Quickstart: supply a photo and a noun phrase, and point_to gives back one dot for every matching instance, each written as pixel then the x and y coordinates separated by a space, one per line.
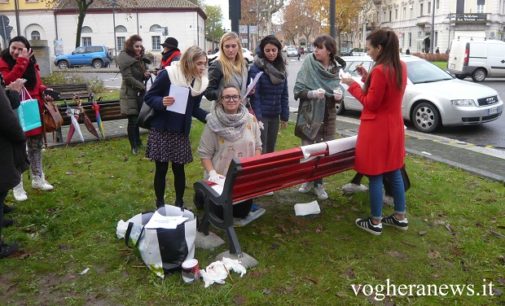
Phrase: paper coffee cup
pixel 190 270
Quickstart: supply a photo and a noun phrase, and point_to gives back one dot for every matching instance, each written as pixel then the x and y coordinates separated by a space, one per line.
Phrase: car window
pixel 79 50
pixel 93 49
pixel 425 72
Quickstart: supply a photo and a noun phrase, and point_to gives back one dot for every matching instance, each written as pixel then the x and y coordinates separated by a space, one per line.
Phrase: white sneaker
pixel 305 187
pixel 41 183
pixel 19 192
pixel 353 188
pixel 320 192
pixel 269 194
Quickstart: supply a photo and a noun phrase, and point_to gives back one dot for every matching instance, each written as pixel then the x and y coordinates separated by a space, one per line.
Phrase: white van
pixel 478 59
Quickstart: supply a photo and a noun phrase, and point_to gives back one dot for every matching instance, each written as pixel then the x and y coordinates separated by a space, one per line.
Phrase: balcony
pixel 468 18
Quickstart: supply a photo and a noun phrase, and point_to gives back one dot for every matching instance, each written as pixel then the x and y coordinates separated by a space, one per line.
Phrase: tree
pixel 213 25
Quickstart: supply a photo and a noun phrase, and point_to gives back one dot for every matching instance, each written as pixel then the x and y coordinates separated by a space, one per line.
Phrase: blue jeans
pixel 376 186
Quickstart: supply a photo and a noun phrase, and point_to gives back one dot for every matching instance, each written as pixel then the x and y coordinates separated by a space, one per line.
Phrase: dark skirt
pixel 163 146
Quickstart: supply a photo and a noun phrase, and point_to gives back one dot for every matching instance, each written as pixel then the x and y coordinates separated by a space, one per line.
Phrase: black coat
pixel 13 160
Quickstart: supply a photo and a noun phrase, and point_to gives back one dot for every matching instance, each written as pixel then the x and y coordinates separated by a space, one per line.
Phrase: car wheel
pixel 460 76
pixel 63 64
pixel 97 63
pixel 340 107
pixel 425 117
pixel 479 75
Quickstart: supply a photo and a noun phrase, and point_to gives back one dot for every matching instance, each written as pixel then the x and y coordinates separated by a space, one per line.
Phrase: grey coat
pixel 12 146
pixel 132 87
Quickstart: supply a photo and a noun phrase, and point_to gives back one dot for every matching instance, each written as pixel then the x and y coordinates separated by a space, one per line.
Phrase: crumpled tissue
pixel 218 271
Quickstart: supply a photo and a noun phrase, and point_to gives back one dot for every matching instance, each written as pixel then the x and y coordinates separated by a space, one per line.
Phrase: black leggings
pixel 3 195
pixel 160 182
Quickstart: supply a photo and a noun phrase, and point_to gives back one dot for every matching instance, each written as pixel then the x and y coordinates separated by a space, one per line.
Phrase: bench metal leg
pixel 233 241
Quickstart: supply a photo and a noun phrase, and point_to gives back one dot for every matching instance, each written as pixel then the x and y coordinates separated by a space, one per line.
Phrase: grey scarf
pixel 276 76
pixel 228 126
pixel 312 76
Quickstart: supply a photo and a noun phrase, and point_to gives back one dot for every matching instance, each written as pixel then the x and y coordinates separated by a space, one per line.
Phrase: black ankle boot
pixel 7 250
pixel 6 223
pixel 160 203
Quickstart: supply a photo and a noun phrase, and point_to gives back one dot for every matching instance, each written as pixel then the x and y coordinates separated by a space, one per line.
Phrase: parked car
pixel 478 59
pixel 248 56
pixel 291 51
pixel 346 52
pixel 433 98
pixel 96 56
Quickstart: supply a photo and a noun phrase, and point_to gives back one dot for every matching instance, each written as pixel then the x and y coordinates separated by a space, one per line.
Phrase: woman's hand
pixel 26 53
pixel 167 101
pixel 347 80
pixel 17 85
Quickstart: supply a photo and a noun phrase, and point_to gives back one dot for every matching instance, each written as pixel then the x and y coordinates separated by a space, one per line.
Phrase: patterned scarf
pixel 276 76
pixel 228 126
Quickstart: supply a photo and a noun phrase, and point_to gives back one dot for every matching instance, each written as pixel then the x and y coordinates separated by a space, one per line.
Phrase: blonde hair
pixel 230 67
pixel 188 61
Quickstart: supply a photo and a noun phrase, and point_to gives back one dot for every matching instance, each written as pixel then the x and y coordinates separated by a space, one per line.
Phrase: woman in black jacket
pixel 168 139
pixel 13 157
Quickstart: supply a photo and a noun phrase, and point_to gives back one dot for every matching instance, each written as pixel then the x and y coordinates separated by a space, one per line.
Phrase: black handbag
pixel 146 114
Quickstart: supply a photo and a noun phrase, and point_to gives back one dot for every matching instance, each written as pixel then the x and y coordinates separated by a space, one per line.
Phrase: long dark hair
pixel 30 73
pixel 389 56
pixel 128 46
pixel 329 43
pixel 278 61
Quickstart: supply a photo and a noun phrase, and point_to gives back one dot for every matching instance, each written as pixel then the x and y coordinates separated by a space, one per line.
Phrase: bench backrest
pixel 254 176
pixel 109 110
pixel 68 91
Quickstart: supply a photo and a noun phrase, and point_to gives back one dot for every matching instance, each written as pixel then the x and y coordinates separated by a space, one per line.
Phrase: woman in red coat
pixel 17 61
pixel 380 148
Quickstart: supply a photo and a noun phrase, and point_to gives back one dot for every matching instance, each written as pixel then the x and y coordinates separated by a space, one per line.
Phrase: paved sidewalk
pixel 485 162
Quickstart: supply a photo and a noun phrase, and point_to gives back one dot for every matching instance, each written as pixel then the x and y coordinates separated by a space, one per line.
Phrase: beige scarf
pixel 177 78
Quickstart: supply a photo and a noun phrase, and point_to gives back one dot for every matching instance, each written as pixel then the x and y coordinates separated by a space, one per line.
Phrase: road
pixel 488 134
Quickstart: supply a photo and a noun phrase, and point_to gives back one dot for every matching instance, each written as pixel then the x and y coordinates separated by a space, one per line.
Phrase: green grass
pixel 440 64
pixel 456 236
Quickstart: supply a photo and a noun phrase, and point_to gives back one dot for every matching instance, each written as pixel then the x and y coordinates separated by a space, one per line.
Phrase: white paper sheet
pixel 252 84
pixel 159 221
pixel 180 95
pixel 303 209
pixel 308 150
pixel 342 144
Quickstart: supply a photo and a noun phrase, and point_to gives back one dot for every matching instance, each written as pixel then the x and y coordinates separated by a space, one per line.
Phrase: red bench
pixel 251 177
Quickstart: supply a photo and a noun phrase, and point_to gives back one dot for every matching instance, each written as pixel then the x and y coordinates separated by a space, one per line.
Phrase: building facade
pixel 413 20
pixel 107 23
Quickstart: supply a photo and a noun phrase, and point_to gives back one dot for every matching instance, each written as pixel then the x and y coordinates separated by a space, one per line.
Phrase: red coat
pixel 10 75
pixel 380 146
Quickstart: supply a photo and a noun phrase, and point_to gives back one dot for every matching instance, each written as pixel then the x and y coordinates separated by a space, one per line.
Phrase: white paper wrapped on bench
pixel 303 209
pixel 309 150
pixel 342 144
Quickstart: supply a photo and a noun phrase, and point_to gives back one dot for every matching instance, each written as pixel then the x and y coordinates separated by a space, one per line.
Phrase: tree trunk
pixel 80 21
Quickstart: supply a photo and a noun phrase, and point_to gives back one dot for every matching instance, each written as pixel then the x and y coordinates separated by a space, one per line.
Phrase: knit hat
pixel 170 42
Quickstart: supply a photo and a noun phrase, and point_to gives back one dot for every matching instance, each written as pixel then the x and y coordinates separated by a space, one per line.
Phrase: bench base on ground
pixel 252 177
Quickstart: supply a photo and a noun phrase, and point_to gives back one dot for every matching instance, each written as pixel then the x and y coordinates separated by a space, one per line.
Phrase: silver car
pixel 433 98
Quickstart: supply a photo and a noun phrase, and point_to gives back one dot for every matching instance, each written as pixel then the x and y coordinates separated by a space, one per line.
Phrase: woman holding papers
pixel 229 68
pixel 175 96
pixel 16 62
pixel 318 89
pixel 132 65
pixel 231 132
pixel 380 148
pixel 270 100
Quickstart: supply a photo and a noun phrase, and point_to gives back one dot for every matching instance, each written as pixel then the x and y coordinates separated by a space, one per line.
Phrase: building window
pixel 156 28
pixel 404 13
pixel 390 15
pixel 32 1
pixel 121 29
pixel 429 8
pixel 480 6
pixel 86 29
pixel 35 35
pixel 410 39
pixel 438 4
pixel 421 9
pixel 120 42
pixel 156 42
pixel 86 41
pixel 396 14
